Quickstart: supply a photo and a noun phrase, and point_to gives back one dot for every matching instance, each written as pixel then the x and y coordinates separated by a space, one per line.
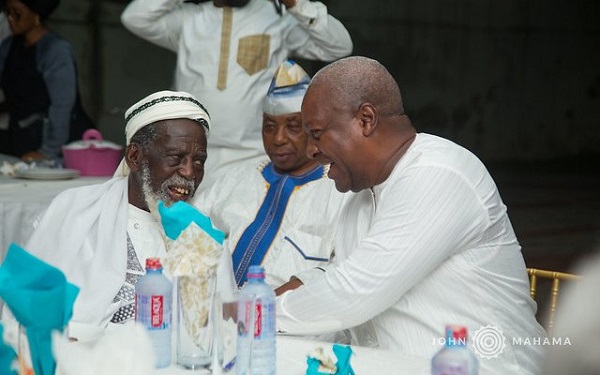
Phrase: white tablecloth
pixel 21 201
pixel 292 351
pixel 291 355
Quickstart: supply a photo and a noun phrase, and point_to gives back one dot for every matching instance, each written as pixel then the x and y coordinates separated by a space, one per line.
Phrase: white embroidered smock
pixel 430 246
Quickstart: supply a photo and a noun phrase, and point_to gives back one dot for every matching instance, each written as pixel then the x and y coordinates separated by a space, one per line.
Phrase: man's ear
pixel 134 157
pixel 367 114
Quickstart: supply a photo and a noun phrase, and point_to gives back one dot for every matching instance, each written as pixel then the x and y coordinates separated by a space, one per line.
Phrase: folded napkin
pixel 40 298
pixel 320 364
pixel 11 169
pixel 10 166
pixel 193 247
pixel 343 353
pixel 7 356
pixel 180 215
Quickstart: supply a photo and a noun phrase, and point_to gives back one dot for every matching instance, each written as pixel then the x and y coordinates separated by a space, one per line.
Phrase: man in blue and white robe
pixel 280 213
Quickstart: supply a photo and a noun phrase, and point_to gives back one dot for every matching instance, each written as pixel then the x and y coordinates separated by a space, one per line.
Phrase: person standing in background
pixel 227 53
pixel 39 78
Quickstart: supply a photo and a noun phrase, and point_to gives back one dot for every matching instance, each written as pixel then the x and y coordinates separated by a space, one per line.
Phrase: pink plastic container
pixel 92 156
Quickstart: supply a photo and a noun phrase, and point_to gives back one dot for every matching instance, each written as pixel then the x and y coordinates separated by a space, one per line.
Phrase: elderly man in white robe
pixel 280 212
pixel 101 235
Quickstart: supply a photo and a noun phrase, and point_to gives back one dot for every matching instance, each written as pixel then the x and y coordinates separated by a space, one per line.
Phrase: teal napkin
pixel 313 366
pixel 40 298
pixel 342 353
pixel 180 215
pixel 7 356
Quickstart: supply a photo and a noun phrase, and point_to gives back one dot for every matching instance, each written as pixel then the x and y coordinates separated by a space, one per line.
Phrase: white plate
pixel 48 174
pixel 85 333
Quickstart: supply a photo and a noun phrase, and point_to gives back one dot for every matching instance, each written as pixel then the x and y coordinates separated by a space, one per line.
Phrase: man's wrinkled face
pixel 173 166
pixel 285 142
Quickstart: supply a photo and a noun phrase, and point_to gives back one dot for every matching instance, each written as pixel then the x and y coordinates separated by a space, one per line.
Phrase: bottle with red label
pixel 455 358
pixel 256 355
pixel 153 297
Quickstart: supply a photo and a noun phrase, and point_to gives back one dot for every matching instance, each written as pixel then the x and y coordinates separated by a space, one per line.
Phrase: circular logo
pixel 488 342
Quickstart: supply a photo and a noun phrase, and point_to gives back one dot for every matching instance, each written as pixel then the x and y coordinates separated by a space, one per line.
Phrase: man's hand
pixel 290 285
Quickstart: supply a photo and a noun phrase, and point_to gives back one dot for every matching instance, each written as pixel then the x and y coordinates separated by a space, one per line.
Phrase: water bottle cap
pixel 256 272
pixel 153 264
pixel 456 334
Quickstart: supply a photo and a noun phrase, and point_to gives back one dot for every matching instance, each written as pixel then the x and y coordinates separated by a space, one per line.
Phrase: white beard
pixel 152 197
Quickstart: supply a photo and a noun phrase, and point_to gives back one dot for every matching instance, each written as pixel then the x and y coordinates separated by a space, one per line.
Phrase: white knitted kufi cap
pixel 287 89
pixel 162 105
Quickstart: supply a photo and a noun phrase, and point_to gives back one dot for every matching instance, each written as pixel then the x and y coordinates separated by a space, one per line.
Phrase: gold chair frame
pixel 556 278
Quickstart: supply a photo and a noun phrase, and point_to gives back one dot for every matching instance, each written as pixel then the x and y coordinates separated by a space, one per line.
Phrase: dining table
pixel 292 353
pixel 122 344
pixel 129 352
pixel 23 200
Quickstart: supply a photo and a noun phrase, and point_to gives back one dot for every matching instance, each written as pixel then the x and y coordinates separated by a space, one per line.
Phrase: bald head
pixel 353 114
pixel 356 79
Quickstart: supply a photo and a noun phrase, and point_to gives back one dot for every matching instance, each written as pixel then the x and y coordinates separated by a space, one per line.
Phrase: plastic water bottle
pixel 455 358
pixel 153 297
pixel 257 355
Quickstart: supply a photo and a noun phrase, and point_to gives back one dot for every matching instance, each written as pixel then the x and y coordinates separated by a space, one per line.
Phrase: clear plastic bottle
pixel 153 297
pixel 455 358
pixel 257 356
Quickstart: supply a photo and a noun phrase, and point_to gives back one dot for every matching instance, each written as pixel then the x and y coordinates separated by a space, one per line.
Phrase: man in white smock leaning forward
pixel 424 241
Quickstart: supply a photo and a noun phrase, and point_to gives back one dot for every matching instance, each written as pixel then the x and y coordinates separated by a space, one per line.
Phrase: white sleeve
pixel 420 221
pixel 157 21
pixel 318 35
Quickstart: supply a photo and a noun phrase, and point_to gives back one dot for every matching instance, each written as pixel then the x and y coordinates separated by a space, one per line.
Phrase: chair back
pixel 555 278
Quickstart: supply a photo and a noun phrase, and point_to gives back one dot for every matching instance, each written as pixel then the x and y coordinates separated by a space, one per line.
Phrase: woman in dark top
pixel 39 79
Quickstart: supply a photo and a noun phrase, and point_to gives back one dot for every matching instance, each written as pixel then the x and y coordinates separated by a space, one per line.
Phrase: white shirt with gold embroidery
pixel 226 57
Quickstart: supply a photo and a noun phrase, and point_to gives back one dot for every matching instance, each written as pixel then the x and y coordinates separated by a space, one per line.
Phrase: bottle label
pixel 258 320
pixel 153 311
pixel 264 319
pixel 264 323
pixel 157 311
